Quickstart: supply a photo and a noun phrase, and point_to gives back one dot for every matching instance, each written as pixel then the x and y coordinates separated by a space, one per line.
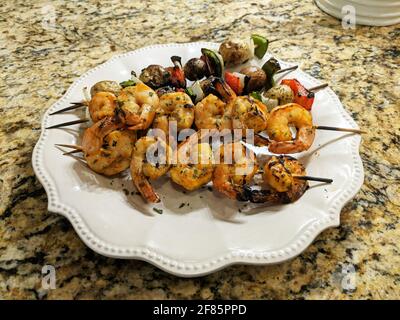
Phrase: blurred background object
pixel 367 12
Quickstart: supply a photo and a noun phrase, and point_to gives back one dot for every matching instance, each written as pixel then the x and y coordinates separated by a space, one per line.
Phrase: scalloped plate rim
pixel 162 261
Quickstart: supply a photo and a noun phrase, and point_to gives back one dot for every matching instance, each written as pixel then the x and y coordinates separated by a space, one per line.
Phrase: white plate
pixel 210 233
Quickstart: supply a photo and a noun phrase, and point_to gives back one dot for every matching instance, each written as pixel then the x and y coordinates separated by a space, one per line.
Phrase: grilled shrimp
pixel 137 105
pixel 279 175
pixel 235 170
pixel 102 101
pixel 244 111
pixel 174 106
pixel 278 172
pixel 195 164
pixel 248 113
pixel 142 166
pixel 278 129
pixel 106 148
pixel 102 104
pixel 211 113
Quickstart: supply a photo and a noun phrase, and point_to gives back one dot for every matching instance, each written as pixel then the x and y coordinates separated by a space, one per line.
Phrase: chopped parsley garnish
pixel 159 211
pixel 127 83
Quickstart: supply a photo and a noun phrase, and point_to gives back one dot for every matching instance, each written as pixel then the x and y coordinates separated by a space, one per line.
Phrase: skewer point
pixel 69 123
pixel 72 152
pixel 317 88
pixel 326 180
pixel 340 129
pixel 292 68
pixel 73 146
pixel 74 105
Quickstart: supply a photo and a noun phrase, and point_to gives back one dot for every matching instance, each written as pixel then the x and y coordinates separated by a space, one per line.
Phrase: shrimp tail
pixel 271 198
pixel 267 197
pixel 223 89
pixel 231 191
pixel 146 190
pixel 136 127
pixel 140 181
pixel 288 147
pixel 261 141
pixel 144 187
pixel 237 193
pixel 130 121
pixel 244 194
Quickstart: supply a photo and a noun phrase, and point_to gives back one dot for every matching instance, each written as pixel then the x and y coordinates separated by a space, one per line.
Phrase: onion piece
pixel 269 102
pixel 250 47
pixel 197 91
pixel 242 78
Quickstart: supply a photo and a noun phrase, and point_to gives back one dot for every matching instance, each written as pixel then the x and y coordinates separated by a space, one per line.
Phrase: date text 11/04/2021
pixel 206 309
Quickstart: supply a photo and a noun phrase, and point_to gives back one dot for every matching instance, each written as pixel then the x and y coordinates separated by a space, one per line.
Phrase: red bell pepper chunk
pixel 292 83
pixel 233 81
pixel 302 96
pixel 177 77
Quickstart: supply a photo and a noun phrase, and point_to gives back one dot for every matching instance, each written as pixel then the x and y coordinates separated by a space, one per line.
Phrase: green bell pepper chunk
pixel 127 83
pixel 261 45
pixel 270 67
pixel 213 62
pixel 256 95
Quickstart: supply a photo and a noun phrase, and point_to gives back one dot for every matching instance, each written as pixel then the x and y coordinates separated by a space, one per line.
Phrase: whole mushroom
pixel 155 76
pixel 235 52
pixel 195 69
pixel 105 86
pixel 256 78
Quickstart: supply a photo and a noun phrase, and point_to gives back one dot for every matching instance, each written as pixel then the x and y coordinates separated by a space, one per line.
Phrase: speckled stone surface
pixel 41 56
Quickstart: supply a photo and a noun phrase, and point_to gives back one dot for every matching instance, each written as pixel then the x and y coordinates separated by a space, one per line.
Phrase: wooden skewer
pixel 310 178
pixel 326 180
pixel 71 152
pixel 261 140
pixel 324 128
pixel 340 129
pixel 72 146
pixel 75 105
pixel 261 136
pixel 287 69
pixel 319 87
pixel 84 102
pixel 69 123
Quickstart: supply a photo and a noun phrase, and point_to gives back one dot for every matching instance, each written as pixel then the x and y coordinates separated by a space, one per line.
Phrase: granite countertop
pixel 44 48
